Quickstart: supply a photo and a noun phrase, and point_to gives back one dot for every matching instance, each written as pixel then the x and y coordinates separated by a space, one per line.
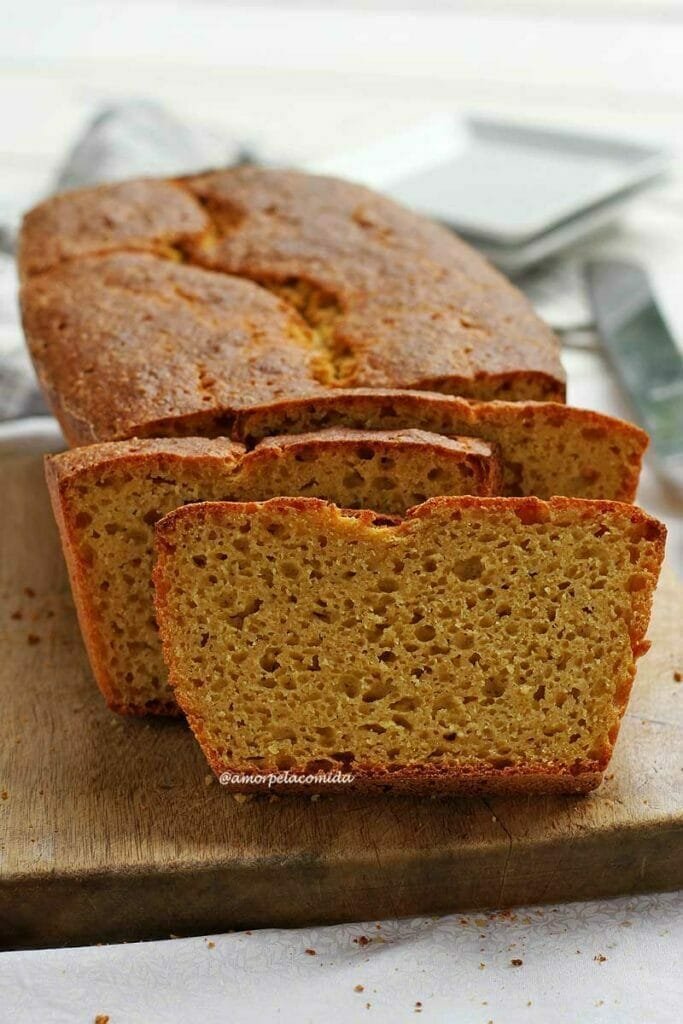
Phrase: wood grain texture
pixel 110 828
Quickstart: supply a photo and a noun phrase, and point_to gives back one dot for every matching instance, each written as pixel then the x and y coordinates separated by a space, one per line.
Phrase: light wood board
pixel 112 829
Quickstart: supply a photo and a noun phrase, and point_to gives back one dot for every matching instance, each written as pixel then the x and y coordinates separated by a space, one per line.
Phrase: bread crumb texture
pixel 476 640
pixel 108 497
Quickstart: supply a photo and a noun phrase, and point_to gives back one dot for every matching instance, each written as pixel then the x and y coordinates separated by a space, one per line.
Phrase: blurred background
pixel 305 80
pixel 312 84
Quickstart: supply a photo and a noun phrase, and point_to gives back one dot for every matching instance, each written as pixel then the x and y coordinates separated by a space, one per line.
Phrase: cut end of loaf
pixel 478 642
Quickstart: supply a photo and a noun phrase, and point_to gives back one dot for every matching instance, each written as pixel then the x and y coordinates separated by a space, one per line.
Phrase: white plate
pixel 520 193
pixel 510 183
pixel 513 259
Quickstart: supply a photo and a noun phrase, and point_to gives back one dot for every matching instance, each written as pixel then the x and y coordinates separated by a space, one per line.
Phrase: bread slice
pixel 478 645
pixel 107 498
pixel 546 448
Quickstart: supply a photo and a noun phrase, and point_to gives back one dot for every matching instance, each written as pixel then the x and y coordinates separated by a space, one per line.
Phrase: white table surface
pixel 614 961
pixel 304 84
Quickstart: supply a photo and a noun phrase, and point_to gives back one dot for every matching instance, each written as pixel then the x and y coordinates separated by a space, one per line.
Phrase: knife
pixel 643 354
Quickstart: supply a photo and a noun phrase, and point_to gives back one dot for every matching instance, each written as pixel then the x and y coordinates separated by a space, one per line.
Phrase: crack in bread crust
pixel 375 295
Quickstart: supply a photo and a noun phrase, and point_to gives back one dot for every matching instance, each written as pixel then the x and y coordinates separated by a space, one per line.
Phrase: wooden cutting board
pixel 112 829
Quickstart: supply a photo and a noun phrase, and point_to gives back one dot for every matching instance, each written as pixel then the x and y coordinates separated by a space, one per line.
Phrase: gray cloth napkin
pixel 19 394
pixel 131 139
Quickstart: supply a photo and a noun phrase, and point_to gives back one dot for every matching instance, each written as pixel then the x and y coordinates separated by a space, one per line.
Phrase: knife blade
pixel 643 355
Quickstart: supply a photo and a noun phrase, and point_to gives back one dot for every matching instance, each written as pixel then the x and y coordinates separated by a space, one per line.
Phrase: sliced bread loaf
pixel 480 644
pixel 149 303
pixel 107 498
pixel 546 448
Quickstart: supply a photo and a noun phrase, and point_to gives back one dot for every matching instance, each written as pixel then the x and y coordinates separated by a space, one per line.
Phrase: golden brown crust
pixel 66 466
pixel 142 215
pixel 527 509
pixel 621 448
pixel 250 425
pixel 122 340
pixel 375 296
pixel 203 510
pixel 87 619
pixel 407 437
pixel 392 277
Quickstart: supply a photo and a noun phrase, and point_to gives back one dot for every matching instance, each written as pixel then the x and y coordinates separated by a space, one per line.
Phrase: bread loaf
pixel 478 645
pixel 473 643
pixel 157 306
pixel 107 498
